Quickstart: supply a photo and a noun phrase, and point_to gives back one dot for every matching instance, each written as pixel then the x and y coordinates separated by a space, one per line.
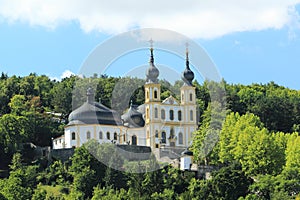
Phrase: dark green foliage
pixel 254 141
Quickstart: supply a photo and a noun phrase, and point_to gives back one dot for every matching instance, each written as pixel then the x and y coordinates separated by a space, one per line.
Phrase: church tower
pixel 188 100
pixel 152 100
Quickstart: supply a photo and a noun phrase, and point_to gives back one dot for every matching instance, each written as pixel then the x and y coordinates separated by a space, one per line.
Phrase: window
pixel 133 140
pixel 156 133
pixel 124 138
pixel 88 135
pixel 191 115
pixel 171 112
pixel 182 97
pixel 147 94
pixel 155 113
pixel 180 138
pixel 155 94
pixel 115 136
pixel 179 115
pixel 163 114
pixel 73 136
pixel 191 97
pixel 147 113
pixel 172 133
pixel 108 135
pixel 163 137
pixel 100 135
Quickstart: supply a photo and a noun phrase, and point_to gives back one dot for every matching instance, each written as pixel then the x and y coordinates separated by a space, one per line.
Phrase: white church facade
pixel 157 123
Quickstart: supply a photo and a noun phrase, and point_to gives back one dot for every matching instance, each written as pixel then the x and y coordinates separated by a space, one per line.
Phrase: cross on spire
pixel 151 51
pixel 151 43
pixel 187 50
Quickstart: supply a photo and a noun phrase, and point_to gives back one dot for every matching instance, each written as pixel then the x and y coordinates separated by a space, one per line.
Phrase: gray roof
pixel 133 118
pixel 94 113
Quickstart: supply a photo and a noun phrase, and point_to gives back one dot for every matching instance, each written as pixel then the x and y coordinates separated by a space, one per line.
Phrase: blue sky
pixel 245 49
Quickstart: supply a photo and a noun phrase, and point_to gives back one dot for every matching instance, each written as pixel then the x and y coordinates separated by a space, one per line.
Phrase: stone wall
pixel 61 154
pixel 134 153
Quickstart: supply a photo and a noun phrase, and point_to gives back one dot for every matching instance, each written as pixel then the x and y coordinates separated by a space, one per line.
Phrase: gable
pixel 170 101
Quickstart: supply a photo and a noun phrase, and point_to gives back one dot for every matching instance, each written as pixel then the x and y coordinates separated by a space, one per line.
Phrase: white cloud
pixel 66 74
pixel 194 18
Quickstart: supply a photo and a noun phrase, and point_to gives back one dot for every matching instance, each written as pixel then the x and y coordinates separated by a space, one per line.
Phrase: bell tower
pixel 152 100
pixel 152 87
pixel 188 100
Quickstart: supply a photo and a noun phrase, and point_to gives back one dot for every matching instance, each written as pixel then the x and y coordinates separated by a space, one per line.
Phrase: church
pixel 158 123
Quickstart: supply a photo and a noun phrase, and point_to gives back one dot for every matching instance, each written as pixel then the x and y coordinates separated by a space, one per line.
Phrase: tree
pixel 230 183
pixel 13 131
pixel 21 181
pixel 18 105
pixel 205 141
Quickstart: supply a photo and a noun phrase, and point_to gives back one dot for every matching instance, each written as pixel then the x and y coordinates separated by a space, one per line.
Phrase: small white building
pixel 156 123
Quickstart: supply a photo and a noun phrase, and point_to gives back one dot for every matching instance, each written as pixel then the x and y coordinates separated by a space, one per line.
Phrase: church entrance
pixel 133 140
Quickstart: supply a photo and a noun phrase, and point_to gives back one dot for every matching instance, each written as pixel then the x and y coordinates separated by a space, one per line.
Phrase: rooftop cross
pixel 151 51
pixel 187 50
pixel 151 43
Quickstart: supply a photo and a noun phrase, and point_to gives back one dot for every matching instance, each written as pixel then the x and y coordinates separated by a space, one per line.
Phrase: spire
pixel 187 63
pixel 152 72
pixel 151 52
pixel 188 74
pixel 90 95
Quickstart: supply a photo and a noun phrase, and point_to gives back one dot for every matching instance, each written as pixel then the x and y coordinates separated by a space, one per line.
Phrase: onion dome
pixel 152 72
pixel 187 152
pixel 92 112
pixel 133 118
pixel 188 74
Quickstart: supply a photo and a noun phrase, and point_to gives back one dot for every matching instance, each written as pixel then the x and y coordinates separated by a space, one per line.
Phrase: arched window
pixel 73 136
pixel 180 138
pixel 155 94
pixel 133 140
pixel 163 137
pixel 147 94
pixel 155 113
pixel 108 135
pixel 88 135
pixel 147 113
pixel 191 97
pixel 156 133
pixel 171 112
pixel 163 114
pixel 100 135
pixel 172 133
pixel 115 136
pixel 191 115
pixel 179 115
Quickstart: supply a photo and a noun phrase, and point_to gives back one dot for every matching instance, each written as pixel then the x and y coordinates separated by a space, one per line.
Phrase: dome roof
pixel 133 118
pixel 187 152
pixel 94 113
pixel 152 72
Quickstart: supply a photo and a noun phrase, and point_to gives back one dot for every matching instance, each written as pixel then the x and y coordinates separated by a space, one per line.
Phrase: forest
pixel 251 135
